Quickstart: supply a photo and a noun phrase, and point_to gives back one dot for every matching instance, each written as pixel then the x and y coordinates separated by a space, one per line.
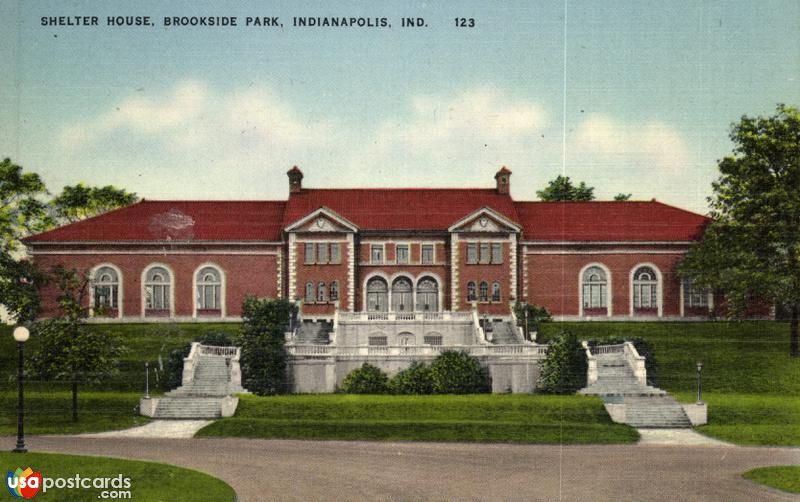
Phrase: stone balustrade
pixel 348 317
pixel 415 350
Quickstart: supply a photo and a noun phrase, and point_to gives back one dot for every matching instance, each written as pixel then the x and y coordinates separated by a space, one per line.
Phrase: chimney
pixel 503 179
pixel 295 180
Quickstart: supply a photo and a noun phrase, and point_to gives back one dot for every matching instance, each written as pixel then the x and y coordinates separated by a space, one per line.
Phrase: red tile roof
pixel 608 221
pixel 179 221
pixel 382 209
pixel 399 208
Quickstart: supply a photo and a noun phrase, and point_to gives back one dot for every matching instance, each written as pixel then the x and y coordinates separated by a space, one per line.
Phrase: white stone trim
pixel 454 272
pixel 223 286
pixel 292 269
pixel 414 280
pixel 609 286
pixel 604 251
pixel 485 211
pixel 323 211
pixel 524 274
pixel 606 243
pixel 659 287
pixel 512 244
pixel 351 273
pixel 120 288
pixel 279 263
pixel 364 290
pixel 159 252
pixel 171 287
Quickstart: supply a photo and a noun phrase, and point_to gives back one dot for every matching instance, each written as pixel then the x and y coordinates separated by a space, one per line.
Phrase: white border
pixel 609 293
pixel 659 287
pixel 120 288
pixel 222 288
pixel 171 287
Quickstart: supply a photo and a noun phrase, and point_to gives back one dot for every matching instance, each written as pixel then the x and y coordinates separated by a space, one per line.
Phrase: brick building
pixel 382 250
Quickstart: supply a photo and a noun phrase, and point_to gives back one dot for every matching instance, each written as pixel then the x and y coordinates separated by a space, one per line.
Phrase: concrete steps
pixel 316 333
pixel 645 406
pixel 202 398
pixel 503 333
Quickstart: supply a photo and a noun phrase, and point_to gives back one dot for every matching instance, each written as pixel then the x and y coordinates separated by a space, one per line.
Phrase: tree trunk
pixel 74 399
pixel 794 351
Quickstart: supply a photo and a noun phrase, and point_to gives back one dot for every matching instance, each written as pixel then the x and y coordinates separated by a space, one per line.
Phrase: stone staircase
pixel 504 333
pixel 206 392
pixel 644 406
pixel 315 333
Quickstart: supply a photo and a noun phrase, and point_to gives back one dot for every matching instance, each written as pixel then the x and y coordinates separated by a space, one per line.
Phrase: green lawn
pixel 51 413
pixel 750 383
pixel 738 357
pixel 149 481
pixel 786 478
pixel 492 418
pixel 145 342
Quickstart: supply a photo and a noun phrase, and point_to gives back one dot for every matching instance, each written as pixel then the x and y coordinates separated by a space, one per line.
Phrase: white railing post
pixel 476 325
pixel 591 368
pixel 636 362
pixel 189 363
pixel 236 369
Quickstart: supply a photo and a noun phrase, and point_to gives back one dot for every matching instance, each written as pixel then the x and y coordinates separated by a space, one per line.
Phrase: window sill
pixel 209 313
pixel 157 313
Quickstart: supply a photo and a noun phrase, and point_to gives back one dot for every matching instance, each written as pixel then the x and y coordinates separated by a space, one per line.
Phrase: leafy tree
pixel 534 314
pixel 752 246
pixel 21 210
pixel 20 281
pixel 79 202
pixel 563 371
pixel 562 189
pixel 457 372
pixel 67 350
pixel 264 358
pixel 416 379
pixel 367 379
pixel 623 196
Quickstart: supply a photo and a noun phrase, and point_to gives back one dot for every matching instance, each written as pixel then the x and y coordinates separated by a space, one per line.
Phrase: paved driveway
pixel 332 470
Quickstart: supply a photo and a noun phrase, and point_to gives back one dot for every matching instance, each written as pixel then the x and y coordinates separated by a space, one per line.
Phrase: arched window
pixel 377 295
pixel 595 291
pixel 402 295
pixel 484 291
pixel 471 295
pixel 335 291
pixel 310 294
pixel 406 339
pixel 321 293
pixel 645 290
pixel 428 294
pixel 209 289
pixel 157 290
pixel 496 292
pixel 106 291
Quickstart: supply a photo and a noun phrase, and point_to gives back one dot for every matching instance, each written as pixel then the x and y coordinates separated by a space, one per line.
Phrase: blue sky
pixel 651 89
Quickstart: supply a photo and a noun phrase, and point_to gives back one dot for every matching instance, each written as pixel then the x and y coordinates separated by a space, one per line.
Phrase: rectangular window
pixel 310 253
pixel 497 252
pixel 472 253
pixel 377 341
pixel 336 253
pixel 402 253
pixel 322 252
pixel 693 296
pixel 432 340
pixel 427 254
pixel 377 253
pixel 485 258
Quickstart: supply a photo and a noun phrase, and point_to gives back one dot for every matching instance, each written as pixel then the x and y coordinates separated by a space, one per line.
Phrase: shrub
pixel 367 379
pixel 536 315
pixel 457 372
pixel 263 340
pixel 563 371
pixel 416 379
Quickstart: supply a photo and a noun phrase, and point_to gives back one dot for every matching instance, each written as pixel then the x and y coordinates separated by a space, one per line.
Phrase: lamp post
pixel 21 335
pixel 147 380
pixel 699 370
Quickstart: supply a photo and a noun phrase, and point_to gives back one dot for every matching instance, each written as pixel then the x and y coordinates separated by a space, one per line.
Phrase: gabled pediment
pixel 486 220
pixel 322 220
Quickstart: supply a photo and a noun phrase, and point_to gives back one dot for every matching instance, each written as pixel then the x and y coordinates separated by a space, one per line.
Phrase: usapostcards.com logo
pixel 23 484
pixel 26 483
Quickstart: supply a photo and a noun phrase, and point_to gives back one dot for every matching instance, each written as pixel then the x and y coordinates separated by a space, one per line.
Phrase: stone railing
pixel 211 350
pixel 636 362
pixel 415 350
pixel 189 364
pixel 608 349
pixel 477 330
pixel 345 317
pixel 591 363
